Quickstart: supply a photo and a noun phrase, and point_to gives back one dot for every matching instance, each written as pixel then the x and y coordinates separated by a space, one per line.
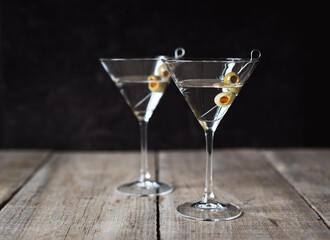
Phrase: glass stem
pixel 208 191
pixel 144 168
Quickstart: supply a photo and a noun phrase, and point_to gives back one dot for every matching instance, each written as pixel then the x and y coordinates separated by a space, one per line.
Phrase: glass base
pixel 211 211
pixel 145 188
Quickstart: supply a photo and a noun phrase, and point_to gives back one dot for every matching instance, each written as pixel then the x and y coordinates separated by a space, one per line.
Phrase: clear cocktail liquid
pixel 200 94
pixel 138 95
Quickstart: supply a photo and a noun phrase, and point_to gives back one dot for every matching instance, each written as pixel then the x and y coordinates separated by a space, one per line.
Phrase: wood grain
pixel 272 209
pixel 16 167
pixel 283 194
pixel 308 171
pixel 74 196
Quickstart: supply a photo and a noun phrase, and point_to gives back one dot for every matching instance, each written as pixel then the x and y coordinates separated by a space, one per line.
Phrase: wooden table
pixel 284 194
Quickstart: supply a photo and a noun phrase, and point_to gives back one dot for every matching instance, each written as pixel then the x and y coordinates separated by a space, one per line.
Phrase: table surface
pixel 284 193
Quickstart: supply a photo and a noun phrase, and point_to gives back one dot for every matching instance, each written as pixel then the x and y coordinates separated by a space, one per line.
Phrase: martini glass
pixel 142 82
pixel 210 87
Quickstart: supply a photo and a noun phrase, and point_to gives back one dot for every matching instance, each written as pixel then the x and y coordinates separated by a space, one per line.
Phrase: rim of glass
pixel 210 60
pixel 133 59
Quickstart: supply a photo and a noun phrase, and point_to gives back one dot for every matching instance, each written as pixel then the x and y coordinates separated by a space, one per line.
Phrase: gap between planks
pixel 292 186
pixel 261 220
pixel 74 192
pixel 46 159
pixel 157 171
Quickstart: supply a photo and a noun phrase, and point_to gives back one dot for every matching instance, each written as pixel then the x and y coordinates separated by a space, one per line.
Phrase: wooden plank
pixel 272 209
pixel 74 196
pixel 308 171
pixel 16 167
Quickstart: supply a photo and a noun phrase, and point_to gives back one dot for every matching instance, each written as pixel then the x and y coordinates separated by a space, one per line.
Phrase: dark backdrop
pixel 55 94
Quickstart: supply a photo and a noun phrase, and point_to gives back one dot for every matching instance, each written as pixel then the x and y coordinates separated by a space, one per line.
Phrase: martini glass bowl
pixel 210 87
pixel 142 82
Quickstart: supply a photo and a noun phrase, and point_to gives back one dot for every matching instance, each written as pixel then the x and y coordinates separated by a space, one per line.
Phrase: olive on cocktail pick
pixel 224 99
pixel 155 86
pixel 163 71
pixel 231 78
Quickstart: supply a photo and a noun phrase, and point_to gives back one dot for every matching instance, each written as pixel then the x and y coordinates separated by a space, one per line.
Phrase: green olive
pixel 162 71
pixel 157 86
pixel 231 78
pixel 224 99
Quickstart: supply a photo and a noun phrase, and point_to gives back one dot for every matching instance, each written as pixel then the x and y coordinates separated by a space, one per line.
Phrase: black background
pixel 55 94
